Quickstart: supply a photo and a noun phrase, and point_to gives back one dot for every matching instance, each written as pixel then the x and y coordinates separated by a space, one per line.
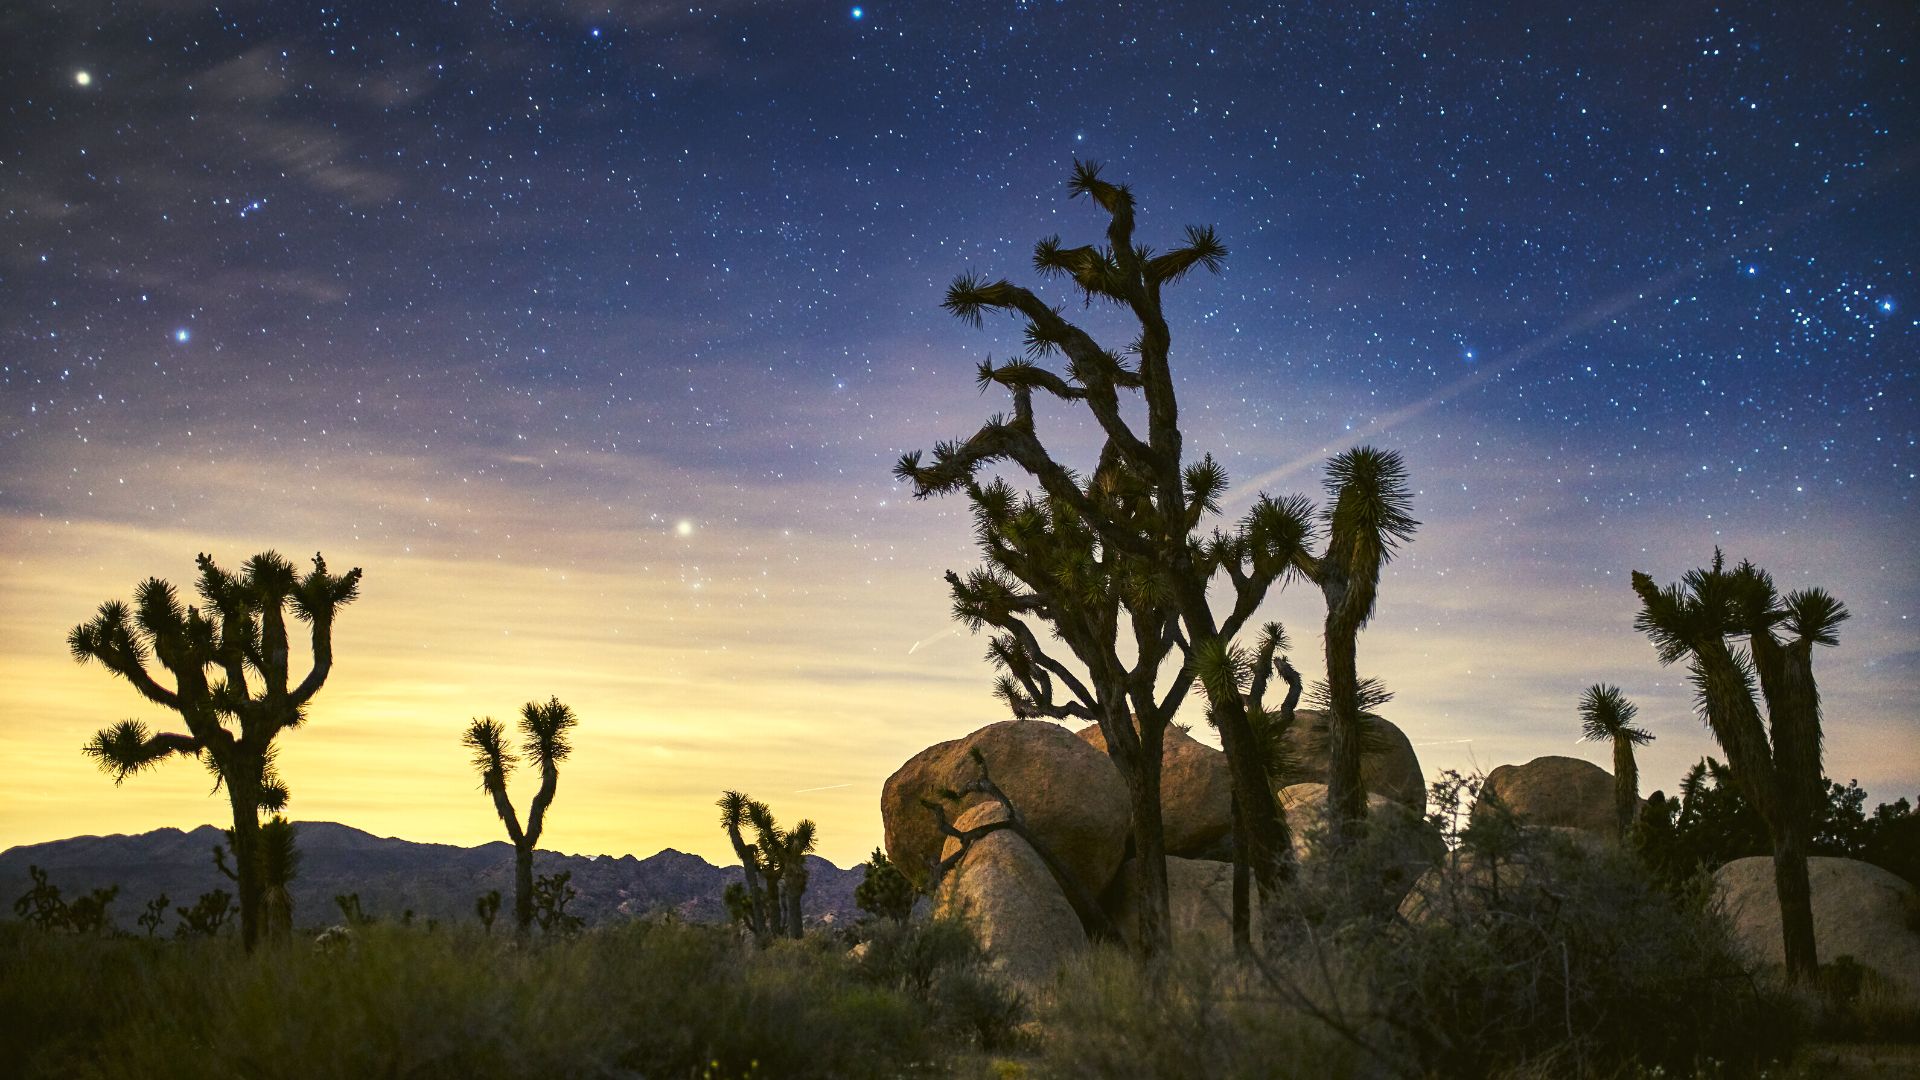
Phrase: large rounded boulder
pixel 1554 792
pixel 1196 791
pixel 1003 887
pixel 1388 765
pixel 1069 794
pixel 1859 910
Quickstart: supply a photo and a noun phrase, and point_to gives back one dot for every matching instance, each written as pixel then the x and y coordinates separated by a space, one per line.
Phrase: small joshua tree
pixel 774 867
pixel 154 914
pixel 488 908
pixel 544 730
pixel 207 915
pixel 551 895
pixel 232 684
pixel 1776 764
pixel 1607 716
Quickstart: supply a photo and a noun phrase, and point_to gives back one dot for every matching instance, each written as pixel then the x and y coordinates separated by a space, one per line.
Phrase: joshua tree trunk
pixel 1796 902
pixel 523 888
pixel 244 794
pixel 1346 795
pixel 1150 845
pixel 1626 784
pixel 796 891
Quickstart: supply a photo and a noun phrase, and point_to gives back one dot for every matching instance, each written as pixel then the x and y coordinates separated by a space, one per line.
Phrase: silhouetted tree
pixel 544 730
pixel 42 904
pixel 350 909
pixel 207 915
pixel 551 895
pixel 1223 670
pixel 1607 716
pixel 488 908
pixel 279 864
pixel 1367 518
pixel 1775 764
pixel 1116 551
pixel 733 818
pixel 154 914
pixel 232 684
pixel 884 892
pixel 774 868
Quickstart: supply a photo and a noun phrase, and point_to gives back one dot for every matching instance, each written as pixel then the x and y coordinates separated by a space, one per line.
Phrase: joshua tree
pixel 1232 670
pixel 1607 716
pixel 488 908
pixel 154 914
pixel 1776 765
pixel 233 714
pixel 279 865
pixel 733 816
pixel 1116 550
pixel 544 730
pixel 1366 520
pixel 774 865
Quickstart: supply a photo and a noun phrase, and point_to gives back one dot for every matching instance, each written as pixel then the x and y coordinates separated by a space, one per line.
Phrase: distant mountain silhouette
pixel 435 881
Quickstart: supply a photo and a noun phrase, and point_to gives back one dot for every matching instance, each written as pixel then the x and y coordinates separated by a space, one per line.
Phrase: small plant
pixel 153 915
pixel 88 914
pixel 42 905
pixel 884 892
pixel 488 908
pixel 350 909
pixel 551 895
pixel 207 915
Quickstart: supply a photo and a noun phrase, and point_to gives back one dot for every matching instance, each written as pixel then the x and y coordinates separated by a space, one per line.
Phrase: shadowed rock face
pixel 436 881
pixel 1199 899
pixel 1391 769
pixel 1859 910
pixel 1069 793
pixel 1024 921
pixel 1196 792
pixel 1556 792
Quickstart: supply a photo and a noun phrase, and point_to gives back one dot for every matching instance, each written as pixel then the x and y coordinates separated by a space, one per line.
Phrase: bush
pixel 652 1000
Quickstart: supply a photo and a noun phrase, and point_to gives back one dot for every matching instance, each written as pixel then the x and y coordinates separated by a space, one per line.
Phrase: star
pixel 683 528
pixel 83 78
pixel 182 335
pixel 858 14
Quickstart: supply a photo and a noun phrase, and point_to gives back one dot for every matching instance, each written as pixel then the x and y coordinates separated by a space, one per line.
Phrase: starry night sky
pixel 591 331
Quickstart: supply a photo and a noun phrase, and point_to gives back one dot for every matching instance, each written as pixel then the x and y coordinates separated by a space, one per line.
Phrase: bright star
pixel 1752 270
pixel 684 528
pixel 858 14
pixel 83 78
pixel 1887 306
pixel 594 32
pixel 182 335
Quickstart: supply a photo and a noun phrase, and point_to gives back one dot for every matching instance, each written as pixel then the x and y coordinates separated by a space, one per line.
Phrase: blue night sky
pixel 592 330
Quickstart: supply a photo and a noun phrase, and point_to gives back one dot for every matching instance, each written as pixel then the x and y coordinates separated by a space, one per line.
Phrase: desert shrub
pixel 939 964
pixel 648 1000
pixel 1854 1003
pixel 1199 1016
pixel 1578 963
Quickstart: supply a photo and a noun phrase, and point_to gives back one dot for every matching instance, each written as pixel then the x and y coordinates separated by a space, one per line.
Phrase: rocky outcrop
pixel 1859 910
pixel 1070 795
pixel 1388 765
pixel 1004 888
pixel 1555 792
pixel 1196 792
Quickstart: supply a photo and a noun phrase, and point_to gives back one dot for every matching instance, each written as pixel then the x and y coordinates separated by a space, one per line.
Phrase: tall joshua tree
pixel 1367 519
pixel 1118 550
pixel 229 664
pixel 1705 617
pixel 1607 716
pixel 544 730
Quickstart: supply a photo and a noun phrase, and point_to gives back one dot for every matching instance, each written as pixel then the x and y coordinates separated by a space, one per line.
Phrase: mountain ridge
pixel 392 876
